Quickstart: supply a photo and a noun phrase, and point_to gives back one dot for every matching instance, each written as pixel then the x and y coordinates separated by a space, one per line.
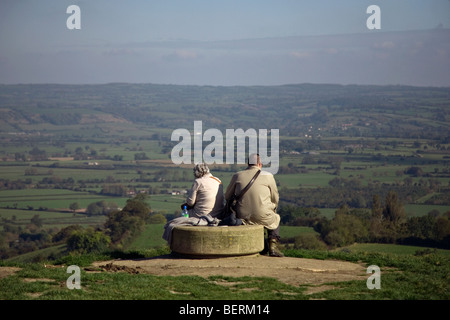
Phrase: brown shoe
pixel 273 249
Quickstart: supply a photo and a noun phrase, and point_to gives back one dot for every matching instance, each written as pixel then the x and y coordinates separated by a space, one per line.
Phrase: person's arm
pixel 192 194
pixel 274 195
pixel 230 188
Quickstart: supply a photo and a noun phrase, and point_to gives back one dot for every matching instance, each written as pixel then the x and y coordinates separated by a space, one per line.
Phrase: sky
pixel 226 42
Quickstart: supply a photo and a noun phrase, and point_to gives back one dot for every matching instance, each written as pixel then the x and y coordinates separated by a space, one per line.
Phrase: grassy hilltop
pixel 72 155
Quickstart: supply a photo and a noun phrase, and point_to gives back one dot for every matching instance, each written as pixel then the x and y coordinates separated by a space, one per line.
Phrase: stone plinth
pixel 209 242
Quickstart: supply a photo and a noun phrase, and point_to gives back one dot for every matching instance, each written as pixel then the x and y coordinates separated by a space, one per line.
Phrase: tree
pixel 65 233
pixel 157 218
pixel 140 156
pixel 124 224
pixel 309 241
pixel 344 229
pixel 89 240
pixel 36 154
pixel 95 208
pixel 442 228
pixel 390 225
pixel 114 190
pixel 414 171
pixel 295 215
pixel 138 206
pixel 421 227
pixel 376 219
pixel 101 208
pixel 74 206
pixel 36 220
pixel 394 210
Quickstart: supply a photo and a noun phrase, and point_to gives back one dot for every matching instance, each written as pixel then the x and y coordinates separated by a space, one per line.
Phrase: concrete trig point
pixel 216 242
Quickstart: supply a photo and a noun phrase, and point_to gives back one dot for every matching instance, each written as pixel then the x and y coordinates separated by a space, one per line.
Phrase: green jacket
pixel 259 204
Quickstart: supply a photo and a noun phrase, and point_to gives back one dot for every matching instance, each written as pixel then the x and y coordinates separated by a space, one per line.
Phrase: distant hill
pixel 320 109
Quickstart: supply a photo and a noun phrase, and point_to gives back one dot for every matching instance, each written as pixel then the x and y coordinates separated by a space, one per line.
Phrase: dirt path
pixel 7 271
pixel 293 271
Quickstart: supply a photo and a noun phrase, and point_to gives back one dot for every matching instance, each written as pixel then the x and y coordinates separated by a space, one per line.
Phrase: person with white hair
pixel 259 204
pixel 206 194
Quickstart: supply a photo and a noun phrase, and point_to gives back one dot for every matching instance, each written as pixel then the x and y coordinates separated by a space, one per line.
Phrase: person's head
pixel 254 160
pixel 200 170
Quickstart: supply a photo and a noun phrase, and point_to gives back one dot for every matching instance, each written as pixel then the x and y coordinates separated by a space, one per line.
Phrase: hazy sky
pixel 225 42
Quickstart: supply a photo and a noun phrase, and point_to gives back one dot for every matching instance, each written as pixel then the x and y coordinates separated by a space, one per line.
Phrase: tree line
pixel 384 222
pixel 351 191
pixel 120 228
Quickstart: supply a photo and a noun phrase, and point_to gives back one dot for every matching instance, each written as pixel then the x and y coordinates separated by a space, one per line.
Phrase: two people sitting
pixel 257 206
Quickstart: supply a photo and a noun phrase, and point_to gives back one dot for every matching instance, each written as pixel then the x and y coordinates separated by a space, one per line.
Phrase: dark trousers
pixel 274 234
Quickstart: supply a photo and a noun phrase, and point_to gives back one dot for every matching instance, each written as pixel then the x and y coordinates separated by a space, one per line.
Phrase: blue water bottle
pixel 185 212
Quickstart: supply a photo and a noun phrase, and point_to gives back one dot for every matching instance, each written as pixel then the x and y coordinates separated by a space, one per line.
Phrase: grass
pixel 292 232
pixel 407 273
pixel 38 255
pixel 51 198
pixel 42 283
pixel 151 237
pixel 51 219
pixel 394 249
pixel 403 277
pixel 418 210
pixel 166 203
pixel 313 179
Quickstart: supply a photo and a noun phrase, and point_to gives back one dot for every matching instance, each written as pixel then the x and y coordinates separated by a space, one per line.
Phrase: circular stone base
pixel 205 242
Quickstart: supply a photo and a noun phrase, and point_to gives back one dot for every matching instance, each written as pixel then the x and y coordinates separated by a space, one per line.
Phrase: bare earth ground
pixel 292 271
pixel 317 274
pixel 7 271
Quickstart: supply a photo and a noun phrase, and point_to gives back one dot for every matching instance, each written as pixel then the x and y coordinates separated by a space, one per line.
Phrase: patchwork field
pixel 340 147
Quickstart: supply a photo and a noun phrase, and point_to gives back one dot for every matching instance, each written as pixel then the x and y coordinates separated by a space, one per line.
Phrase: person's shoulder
pixel 215 179
pixel 267 176
pixel 265 173
pixel 239 173
pixel 203 178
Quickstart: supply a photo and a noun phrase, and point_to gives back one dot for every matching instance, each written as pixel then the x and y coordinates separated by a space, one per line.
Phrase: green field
pixel 338 146
pixel 393 249
pixel 404 276
pixel 58 199
pixel 51 219
pixel 408 272
pixel 150 238
pixel 49 198
pixel 417 210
